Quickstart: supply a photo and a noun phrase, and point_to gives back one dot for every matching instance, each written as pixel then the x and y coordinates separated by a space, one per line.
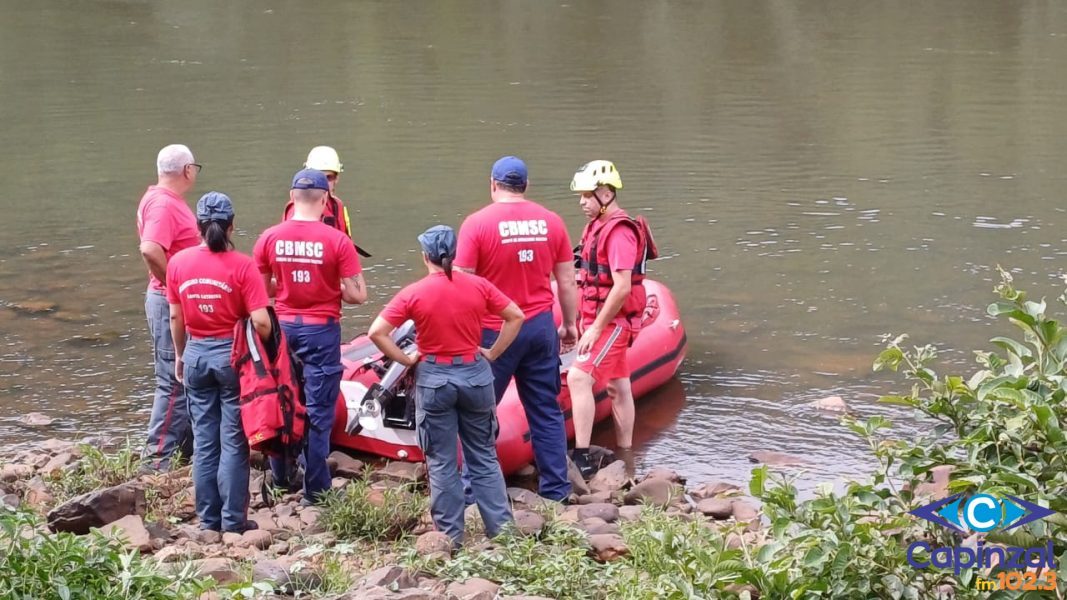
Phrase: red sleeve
pixel 563 251
pixel 349 261
pixel 495 300
pixel 622 248
pixel 398 309
pixel 172 278
pixel 253 291
pixel 467 245
pixel 158 225
pixel 259 254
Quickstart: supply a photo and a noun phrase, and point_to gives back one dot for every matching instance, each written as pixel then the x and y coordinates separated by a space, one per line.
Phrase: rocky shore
pixel 305 551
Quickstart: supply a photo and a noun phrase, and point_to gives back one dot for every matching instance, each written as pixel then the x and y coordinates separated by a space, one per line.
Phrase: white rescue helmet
pixel 324 158
pixel 594 174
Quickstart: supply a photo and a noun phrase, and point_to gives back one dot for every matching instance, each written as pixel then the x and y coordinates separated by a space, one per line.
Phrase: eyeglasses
pixel 198 167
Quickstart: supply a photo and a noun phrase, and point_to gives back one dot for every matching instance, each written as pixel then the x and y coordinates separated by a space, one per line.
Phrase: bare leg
pixel 583 407
pixel 622 408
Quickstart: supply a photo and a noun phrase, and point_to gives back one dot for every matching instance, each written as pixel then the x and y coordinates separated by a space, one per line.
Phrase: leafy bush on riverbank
pixel 359 511
pixel 1002 428
pixel 39 566
pixel 96 469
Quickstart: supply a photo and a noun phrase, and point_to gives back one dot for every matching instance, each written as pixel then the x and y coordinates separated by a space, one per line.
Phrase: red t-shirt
pixel 308 260
pixel 621 246
pixel 163 217
pixel 448 314
pixel 215 290
pixel 515 245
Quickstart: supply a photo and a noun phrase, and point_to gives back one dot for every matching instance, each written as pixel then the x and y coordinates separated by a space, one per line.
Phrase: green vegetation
pixel 359 511
pixel 95 469
pixel 36 566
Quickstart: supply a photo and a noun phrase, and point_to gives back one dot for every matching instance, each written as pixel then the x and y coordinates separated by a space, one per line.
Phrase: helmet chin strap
pixel 603 206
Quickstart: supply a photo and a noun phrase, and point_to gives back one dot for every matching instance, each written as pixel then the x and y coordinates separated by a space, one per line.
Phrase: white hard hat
pixel 324 158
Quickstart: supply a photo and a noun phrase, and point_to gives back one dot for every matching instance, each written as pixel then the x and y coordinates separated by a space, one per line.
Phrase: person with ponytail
pixel 210 288
pixel 454 382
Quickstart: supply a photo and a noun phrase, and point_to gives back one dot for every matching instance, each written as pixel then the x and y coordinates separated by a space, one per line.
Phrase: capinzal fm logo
pixel 980 513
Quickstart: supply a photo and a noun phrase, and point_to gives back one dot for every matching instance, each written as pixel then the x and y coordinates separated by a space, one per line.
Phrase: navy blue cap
pixel 439 243
pixel 310 179
pixel 214 206
pixel 510 170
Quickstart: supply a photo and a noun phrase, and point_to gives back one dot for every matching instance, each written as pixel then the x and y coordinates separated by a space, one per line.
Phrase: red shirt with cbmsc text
pixel 214 289
pixel 448 314
pixel 308 260
pixel 515 245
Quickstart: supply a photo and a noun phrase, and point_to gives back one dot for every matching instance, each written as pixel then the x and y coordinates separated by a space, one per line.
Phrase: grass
pixel 95 470
pixel 358 511
pixel 40 566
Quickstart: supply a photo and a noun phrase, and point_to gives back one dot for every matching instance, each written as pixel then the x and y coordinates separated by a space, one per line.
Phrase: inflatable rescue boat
pixel 376 407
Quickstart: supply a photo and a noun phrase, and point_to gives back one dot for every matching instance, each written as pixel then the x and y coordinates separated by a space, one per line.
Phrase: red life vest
pixel 594 273
pixel 273 413
pixel 335 215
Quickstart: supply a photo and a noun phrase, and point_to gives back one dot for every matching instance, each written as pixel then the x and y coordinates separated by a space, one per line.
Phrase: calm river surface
pixel 818 173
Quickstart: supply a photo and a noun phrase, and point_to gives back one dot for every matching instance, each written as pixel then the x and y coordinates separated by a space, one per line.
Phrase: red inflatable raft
pixel 390 432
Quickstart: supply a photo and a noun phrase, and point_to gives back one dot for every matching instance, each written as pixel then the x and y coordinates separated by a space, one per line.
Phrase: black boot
pixel 581 459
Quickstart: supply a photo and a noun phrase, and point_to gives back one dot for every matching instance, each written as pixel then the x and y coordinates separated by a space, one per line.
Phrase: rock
pixel 526 472
pixel 223 570
pixel 712 489
pixel 595 498
pixel 381 593
pixel 657 492
pixel 434 544
pixel 578 484
pixel 272 572
pixel 937 489
pixel 34 307
pixel 209 536
pixel 390 576
pixel 402 472
pixel 529 522
pixel 830 403
pixel 97 509
pixel 716 508
pixel 664 473
pixel 343 465
pixel 159 531
pixel 740 588
pixel 610 478
pixel 608 546
pixel 596 526
pixel 600 456
pixel 14 472
pixel 743 512
pixel 55 446
pixel 37 494
pixel 171 554
pixel 473 589
pixel 630 513
pixel 265 520
pixel 601 510
pixel 35 419
pixel 522 497
pixel 56 464
pixel 734 541
pixel 231 538
pixel 131 530
pixel 310 516
pixel 254 538
pixel 777 459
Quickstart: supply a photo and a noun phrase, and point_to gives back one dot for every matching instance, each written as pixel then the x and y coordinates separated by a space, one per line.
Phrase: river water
pixel 818 174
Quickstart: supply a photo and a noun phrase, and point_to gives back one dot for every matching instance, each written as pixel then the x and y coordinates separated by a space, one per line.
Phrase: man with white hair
pixel 165 226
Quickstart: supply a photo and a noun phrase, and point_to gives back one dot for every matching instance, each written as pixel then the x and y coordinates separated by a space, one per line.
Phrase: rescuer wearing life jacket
pixel 314 268
pixel 454 383
pixel 211 288
pixel 519 245
pixel 166 226
pixel 325 159
pixel 612 301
